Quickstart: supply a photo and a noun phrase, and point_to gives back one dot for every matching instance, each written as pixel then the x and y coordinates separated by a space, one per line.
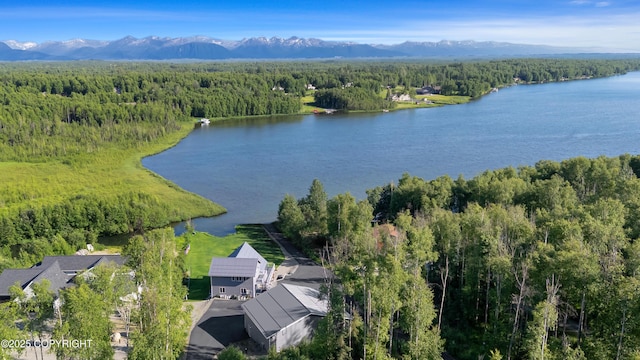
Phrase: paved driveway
pixel 221 325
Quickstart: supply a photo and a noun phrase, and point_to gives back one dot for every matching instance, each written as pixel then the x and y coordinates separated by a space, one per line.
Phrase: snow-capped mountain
pixel 205 48
pixel 16 45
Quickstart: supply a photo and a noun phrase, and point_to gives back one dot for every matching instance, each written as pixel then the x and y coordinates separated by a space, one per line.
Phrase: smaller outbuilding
pixel 283 316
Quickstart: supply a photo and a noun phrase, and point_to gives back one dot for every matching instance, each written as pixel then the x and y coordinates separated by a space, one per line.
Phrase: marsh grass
pixel 104 173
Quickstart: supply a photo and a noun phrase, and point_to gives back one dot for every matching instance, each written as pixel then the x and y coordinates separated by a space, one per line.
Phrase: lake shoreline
pixel 250 165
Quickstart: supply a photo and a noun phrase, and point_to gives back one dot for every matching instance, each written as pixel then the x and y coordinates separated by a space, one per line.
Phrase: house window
pixel 237 278
pixel 221 290
pixel 244 291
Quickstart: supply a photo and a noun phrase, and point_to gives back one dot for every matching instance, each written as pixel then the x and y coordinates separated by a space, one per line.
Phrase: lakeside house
pixel 403 97
pixel 283 316
pixel 60 271
pixel 429 90
pixel 242 274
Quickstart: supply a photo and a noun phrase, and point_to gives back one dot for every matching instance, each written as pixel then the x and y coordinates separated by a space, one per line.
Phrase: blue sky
pixel 612 24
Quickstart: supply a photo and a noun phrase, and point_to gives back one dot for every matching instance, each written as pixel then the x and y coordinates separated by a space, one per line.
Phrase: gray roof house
pixel 283 316
pixel 242 274
pixel 59 270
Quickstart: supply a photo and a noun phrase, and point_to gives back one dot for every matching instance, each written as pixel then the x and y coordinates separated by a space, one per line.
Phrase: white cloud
pixel 618 33
pixel 602 4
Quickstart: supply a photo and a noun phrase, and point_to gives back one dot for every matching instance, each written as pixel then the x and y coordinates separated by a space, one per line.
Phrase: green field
pixel 104 173
pixel 205 246
pixel 308 105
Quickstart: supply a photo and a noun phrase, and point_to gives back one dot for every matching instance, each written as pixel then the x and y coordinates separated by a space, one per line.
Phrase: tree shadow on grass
pixel 199 288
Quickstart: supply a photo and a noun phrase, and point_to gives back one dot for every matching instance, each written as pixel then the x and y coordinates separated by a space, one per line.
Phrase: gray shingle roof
pixel 246 251
pixel 57 278
pixel 22 276
pixel 53 268
pixel 283 305
pixel 230 266
pixel 80 262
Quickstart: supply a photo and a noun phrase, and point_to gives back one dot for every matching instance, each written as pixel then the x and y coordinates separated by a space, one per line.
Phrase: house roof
pixel 231 266
pixel 57 278
pixel 11 276
pixel 24 277
pixel 53 268
pixel 283 305
pixel 245 251
pixel 80 262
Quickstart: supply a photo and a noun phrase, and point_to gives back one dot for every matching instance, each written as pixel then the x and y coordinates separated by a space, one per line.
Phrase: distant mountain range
pixel 205 48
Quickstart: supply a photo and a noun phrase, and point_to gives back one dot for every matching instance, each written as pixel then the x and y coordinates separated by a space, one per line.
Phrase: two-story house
pixel 242 274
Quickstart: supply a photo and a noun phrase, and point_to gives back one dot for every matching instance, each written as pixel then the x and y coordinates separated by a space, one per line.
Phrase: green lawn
pixel 205 246
pixel 308 105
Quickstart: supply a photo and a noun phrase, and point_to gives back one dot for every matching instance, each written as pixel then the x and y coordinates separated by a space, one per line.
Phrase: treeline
pixel 66 113
pixel 390 303
pixel 29 234
pixel 537 262
pixel 351 98
pixel 43 102
pixel 73 114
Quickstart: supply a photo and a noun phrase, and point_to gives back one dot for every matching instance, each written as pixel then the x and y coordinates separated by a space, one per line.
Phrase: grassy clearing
pixel 445 100
pixel 308 105
pixel 105 173
pixel 205 246
pixel 434 101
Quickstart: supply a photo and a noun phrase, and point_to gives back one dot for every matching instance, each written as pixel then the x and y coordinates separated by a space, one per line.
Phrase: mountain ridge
pixel 209 48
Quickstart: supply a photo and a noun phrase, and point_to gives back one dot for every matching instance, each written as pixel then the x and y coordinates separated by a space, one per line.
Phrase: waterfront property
pixel 242 274
pixel 58 270
pixel 283 316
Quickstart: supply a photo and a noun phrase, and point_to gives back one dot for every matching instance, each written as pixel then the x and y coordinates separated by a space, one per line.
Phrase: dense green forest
pixel 539 262
pixel 72 136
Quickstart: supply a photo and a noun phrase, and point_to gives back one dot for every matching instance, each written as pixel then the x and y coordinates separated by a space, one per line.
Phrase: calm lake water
pixel 248 165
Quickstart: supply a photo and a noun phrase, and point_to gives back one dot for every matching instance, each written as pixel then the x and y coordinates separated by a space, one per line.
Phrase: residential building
pixel 242 274
pixel 283 316
pixel 59 270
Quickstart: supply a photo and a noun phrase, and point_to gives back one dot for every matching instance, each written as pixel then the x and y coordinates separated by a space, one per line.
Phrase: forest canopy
pixel 536 262
pixel 72 134
pixel 533 262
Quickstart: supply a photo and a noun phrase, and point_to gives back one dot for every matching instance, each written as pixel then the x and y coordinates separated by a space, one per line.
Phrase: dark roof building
pixel 77 263
pixel 284 315
pixel 59 270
